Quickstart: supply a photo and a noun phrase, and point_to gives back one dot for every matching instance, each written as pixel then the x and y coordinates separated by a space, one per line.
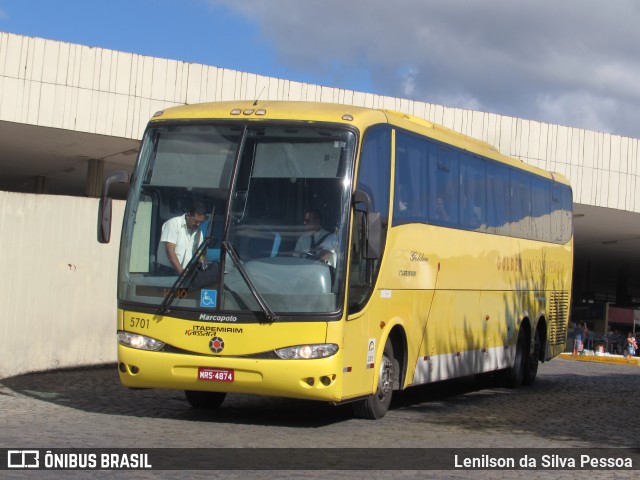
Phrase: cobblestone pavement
pixel 572 404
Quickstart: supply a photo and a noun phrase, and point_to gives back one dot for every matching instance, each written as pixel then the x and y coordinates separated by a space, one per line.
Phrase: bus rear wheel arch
pixel 534 357
pixel 529 354
pixel 513 376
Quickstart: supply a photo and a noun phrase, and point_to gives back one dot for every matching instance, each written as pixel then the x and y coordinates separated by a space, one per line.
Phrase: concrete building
pixel 70 114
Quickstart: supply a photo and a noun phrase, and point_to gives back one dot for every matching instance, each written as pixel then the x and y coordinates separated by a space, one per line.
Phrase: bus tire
pixel 204 400
pixel 514 375
pixel 376 406
pixel 531 369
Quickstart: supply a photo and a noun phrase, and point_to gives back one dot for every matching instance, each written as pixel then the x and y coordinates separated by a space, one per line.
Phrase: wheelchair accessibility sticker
pixel 208 298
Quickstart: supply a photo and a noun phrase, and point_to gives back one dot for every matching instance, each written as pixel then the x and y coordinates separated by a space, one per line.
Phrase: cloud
pixel 573 62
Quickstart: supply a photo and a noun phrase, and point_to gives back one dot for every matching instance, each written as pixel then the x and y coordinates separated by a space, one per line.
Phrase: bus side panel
pixel 497 313
pixel 366 334
pixel 410 310
pixel 362 338
pixel 452 328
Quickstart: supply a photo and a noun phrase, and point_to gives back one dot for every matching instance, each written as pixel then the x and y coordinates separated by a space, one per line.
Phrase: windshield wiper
pixel 189 268
pixel 230 249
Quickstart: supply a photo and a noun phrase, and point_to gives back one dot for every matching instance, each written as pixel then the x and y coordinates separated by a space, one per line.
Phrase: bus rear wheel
pixel 377 405
pixel 204 400
pixel 513 376
pixel 531 370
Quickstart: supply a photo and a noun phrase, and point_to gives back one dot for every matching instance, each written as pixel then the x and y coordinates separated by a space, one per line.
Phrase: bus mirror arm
pixel 360 196
pixel 106 205
pixel 372 230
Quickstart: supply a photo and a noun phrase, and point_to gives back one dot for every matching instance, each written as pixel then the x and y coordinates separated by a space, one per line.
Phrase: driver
pixel 317 241
pixel 179 240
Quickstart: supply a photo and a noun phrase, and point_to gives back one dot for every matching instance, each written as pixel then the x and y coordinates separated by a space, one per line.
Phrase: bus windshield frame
pixel 249 187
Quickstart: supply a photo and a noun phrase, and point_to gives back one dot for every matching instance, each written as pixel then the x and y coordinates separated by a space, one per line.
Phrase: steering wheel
pixel 310 255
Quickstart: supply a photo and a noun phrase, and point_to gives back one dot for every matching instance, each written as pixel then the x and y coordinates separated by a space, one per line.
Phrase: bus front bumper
pixel 314 379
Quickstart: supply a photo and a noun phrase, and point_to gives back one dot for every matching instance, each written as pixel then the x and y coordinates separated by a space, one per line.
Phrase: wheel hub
pixel 385 380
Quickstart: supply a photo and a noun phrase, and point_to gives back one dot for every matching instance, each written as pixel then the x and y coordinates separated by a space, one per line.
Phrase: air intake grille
pixel 558 317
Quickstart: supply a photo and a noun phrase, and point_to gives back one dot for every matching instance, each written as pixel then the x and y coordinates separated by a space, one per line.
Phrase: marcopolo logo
pixel 218 318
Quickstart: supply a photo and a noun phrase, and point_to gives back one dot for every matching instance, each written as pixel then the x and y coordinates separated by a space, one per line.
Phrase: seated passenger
pixel 402 209
pixel 440 212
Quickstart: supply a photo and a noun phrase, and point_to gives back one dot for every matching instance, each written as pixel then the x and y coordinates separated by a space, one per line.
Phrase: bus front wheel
pixel 376 406
pixel 204 400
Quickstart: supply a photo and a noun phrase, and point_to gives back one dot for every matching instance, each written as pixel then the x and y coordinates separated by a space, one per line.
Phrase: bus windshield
pixel 264 206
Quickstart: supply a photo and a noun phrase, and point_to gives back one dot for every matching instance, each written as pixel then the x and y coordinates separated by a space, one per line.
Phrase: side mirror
pixel 105 206
pixel 373 243
pixel 372 247
pixel 104 219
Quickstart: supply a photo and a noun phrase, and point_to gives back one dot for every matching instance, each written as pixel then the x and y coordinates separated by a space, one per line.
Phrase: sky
pixel 567 62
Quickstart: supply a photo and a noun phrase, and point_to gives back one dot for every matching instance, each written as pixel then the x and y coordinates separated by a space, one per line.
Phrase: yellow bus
pixel 333 253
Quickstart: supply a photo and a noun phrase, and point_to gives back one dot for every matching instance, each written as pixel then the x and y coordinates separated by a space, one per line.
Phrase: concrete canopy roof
pixel 60 157
pixel 66 108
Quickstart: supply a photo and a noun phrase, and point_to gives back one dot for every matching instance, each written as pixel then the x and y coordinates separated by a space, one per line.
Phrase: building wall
pixel 58 283
pixel 62 85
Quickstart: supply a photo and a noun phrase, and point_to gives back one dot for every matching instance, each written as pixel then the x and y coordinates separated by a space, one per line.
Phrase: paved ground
pixel 573 404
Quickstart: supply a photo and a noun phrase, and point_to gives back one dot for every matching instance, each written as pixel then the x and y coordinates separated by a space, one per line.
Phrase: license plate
pixel 215 374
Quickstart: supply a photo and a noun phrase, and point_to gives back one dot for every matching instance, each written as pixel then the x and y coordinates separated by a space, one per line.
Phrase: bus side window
pixel 561 217
pixel 374 178
pixel 411 182
pixel 520 205
pixel 443 198
pixel 497 186
pixel 472 193
pixel 541 208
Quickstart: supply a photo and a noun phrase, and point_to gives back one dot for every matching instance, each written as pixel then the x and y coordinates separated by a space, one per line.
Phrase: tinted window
pixel 440 185
pixel 473 198
pixel 498 197
pixel 443 187
pixel 520 204
pixel 541 210
pixel 374 178
pixel 412 177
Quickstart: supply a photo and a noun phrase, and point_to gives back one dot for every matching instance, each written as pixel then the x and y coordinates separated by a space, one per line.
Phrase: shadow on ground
pixel 571 401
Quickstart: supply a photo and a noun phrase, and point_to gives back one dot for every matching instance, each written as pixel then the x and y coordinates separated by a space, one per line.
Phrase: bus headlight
pixel 304 352
pixel 135 340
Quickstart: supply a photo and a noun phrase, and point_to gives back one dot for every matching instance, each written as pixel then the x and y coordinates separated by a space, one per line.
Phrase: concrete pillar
pixel 95 174
pixel 40 184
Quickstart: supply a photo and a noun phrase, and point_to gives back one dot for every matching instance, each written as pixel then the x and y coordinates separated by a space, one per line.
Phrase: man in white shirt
pixel 317 241
pixel 180 239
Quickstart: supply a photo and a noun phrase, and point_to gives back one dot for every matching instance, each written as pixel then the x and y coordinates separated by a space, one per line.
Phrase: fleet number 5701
pixel 138 322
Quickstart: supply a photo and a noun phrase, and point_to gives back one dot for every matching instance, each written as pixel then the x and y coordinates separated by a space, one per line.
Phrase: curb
pixel 602 359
